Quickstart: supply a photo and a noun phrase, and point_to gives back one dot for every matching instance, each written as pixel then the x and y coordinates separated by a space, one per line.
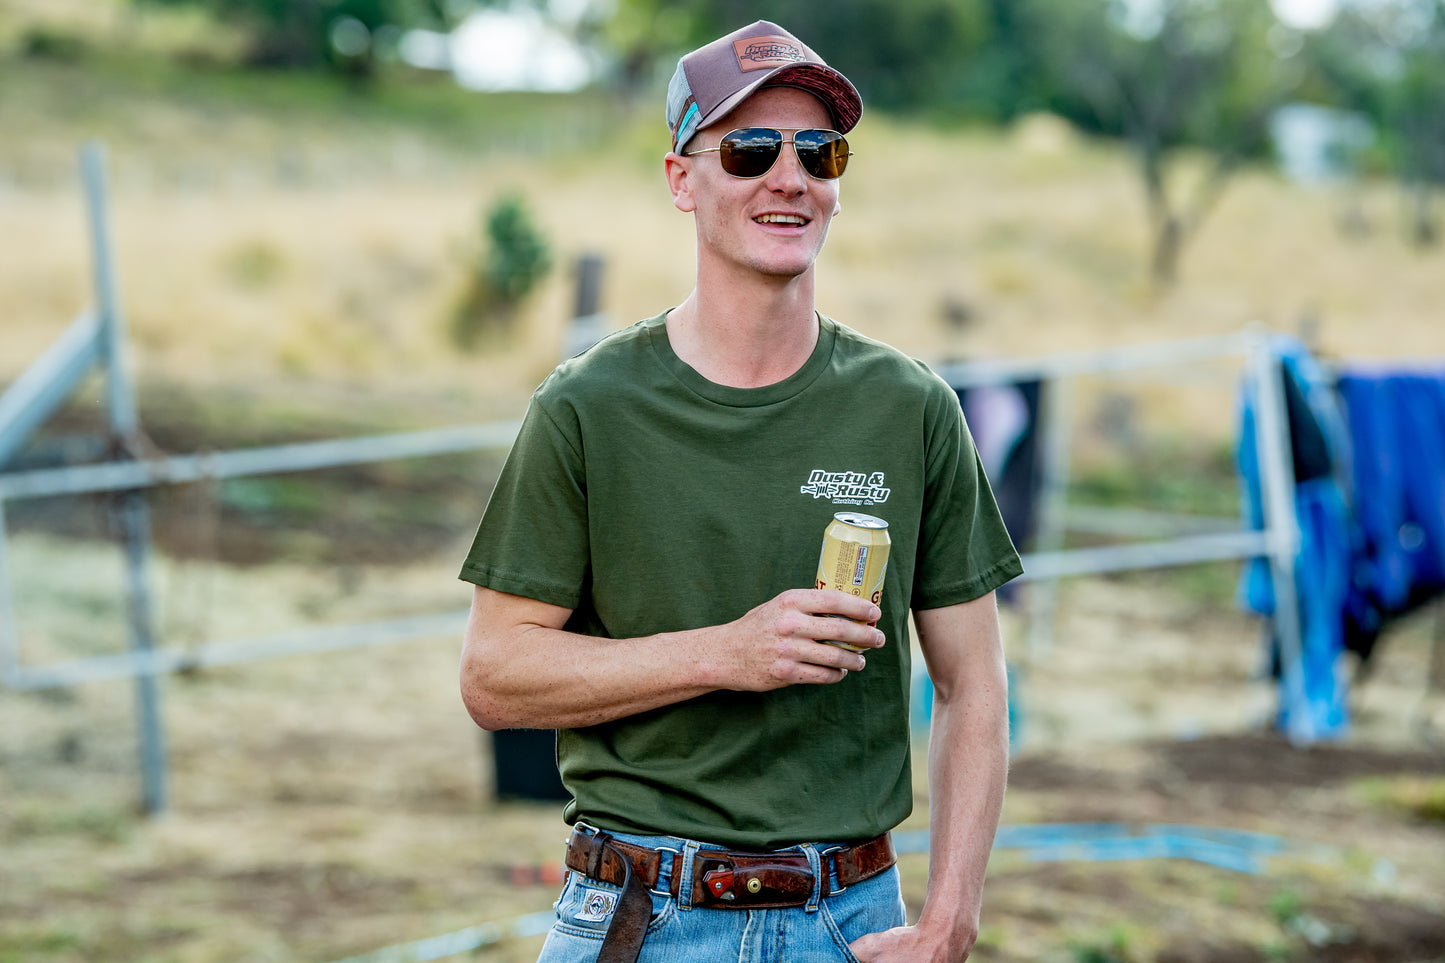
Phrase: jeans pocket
pixel 871 906
pixel 586 906
pixel 836 933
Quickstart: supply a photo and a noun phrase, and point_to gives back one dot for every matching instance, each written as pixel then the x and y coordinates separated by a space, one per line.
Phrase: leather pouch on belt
pixel 756 884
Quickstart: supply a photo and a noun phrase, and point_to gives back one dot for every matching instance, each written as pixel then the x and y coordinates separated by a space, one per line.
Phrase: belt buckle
pixel 593 832
pixel 658 889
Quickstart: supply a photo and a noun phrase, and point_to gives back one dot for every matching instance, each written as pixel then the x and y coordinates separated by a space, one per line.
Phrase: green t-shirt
pixel 648 499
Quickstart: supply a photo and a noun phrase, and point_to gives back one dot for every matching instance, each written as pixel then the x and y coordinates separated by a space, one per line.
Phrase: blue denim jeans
pixel 817 933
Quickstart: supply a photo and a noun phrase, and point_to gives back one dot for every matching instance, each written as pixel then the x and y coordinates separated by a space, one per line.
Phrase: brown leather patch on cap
pixel 765 53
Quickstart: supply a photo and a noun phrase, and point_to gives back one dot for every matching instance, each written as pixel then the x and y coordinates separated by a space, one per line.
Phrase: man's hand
pixel 785 641
pixel 909 944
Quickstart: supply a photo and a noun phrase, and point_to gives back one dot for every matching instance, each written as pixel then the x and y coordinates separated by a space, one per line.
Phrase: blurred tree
pixel 1165 75
pixel 346 35
pixel 1386 59
pixel 1009 73
pixel 902 54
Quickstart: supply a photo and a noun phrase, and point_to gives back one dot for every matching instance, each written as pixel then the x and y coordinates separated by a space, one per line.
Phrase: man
pixel 642 572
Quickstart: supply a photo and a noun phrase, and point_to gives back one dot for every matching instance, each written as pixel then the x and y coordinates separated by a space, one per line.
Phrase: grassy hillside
pixel 275 229
pixel 291 249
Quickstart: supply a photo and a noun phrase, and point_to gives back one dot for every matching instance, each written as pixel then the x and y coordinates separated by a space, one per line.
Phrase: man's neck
pixel 746 336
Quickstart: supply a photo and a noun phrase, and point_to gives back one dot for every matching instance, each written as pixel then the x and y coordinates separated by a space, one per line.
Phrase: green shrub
pixel 46 43
pixel 1114 947
pixel 516 259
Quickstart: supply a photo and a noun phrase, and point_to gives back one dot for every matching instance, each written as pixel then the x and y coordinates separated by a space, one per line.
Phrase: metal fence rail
pixel 1176 540
pixel 331 638
pixel 136 476
pixel 239 463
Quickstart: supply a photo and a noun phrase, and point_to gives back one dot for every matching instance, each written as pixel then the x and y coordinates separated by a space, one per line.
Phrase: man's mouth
pixel 792 220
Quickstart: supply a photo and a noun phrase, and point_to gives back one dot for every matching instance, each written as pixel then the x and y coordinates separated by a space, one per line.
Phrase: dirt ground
pixel 329 806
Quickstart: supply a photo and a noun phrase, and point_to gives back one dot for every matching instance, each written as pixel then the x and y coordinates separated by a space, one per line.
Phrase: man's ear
pixel 678 170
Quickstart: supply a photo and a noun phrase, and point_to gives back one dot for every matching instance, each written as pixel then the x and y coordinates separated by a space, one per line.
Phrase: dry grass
pixel 338 261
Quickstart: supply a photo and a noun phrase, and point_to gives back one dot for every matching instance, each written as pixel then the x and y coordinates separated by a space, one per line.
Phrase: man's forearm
pixel 520 668
pixel 968 765
pixel 554 679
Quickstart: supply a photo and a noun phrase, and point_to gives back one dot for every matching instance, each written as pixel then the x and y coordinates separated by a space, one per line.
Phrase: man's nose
pixel 787 174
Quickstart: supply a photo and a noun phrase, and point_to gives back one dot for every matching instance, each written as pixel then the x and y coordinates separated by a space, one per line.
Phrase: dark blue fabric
pixel 1397 426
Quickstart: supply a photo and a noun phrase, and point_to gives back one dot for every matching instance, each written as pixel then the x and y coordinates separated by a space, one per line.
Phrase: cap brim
pixel 828 85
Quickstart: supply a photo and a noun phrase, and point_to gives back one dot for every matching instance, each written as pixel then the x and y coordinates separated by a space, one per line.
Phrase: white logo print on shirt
pixel 847 487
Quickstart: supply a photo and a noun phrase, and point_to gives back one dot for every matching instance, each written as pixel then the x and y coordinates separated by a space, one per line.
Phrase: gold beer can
pixel 854 558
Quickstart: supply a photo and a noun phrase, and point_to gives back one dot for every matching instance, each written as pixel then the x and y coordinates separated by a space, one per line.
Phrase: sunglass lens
pixel 750 151
pixel 823 153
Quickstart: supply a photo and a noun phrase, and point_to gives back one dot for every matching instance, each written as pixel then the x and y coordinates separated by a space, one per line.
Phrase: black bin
pixel 525 764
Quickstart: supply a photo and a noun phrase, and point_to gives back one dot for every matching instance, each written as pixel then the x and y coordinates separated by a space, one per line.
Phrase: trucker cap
pixel 714 79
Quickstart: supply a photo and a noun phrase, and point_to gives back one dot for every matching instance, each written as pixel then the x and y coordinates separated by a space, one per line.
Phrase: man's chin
pixel 784 270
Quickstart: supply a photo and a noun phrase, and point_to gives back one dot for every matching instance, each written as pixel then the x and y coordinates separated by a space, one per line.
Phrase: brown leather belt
pixel 731 880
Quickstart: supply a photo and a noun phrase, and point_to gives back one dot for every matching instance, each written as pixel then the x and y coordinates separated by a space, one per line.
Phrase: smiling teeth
pixel 781 219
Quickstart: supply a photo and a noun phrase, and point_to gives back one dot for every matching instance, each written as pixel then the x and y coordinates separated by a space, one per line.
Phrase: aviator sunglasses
pixel 752 151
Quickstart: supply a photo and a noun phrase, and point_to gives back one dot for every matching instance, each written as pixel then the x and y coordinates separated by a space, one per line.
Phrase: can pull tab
pixel 719 882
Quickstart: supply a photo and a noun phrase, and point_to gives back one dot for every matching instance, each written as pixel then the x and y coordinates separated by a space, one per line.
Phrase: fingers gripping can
pixel 854 557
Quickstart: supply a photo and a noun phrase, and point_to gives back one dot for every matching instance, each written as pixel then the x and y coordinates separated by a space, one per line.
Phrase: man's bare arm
pixel 521 669
pixel 967 770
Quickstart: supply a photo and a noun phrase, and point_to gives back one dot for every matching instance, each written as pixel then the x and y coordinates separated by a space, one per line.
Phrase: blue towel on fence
pixel 1312 703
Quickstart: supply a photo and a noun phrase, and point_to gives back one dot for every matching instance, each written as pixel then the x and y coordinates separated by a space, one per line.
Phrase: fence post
pixel 9 637
pixel 1282 537
pixel 1054 469
pixel 131 509
pixel 588 325
pixel 589 285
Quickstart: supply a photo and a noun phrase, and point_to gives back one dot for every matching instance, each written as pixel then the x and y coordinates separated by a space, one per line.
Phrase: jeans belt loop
pixel 830 870
pixel 668 860
pixel 682 872
pixel 594 858
pixel 815 865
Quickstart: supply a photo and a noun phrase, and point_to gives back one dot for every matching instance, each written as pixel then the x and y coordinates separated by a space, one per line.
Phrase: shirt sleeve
pixel 964 550
pixel 533 538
